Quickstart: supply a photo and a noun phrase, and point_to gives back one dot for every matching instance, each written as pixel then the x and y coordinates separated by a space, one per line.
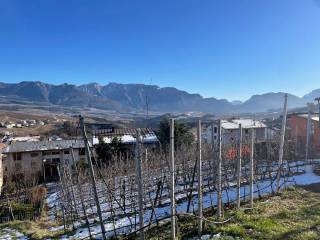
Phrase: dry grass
pixel 34 230
pixel 295 214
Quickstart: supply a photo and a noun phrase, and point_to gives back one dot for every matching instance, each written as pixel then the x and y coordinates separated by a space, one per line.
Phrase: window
pixel 46 153
pixel 17 166
pixel 82 152
pixel 215 137
pixel 55 160
pixel 215 129
pixel 66 152
pixel 18 177
pixel 246 131
pixel 34 154
pixel 17 156
pixel 55 153
pixel 33 164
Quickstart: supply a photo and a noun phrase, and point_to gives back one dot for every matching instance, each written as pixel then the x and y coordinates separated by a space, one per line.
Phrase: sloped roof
pixel 314 117
pixel 245 123
pixel 43 145
pixel 249 123
pixel 129 139
pixel 123 131
pixel 228 125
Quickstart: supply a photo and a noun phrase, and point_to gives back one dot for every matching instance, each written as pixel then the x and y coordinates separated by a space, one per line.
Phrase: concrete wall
pixel 31 166
pixel 232 135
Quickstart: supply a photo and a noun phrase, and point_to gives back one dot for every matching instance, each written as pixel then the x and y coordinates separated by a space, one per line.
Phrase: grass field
pixel 294 214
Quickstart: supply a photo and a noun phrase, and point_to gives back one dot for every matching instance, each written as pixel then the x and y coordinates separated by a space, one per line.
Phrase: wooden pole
pixel 239 168
pixel 139 183
pixel 68 180
pixel 146 156
pixel 283 132
pixel 219 197
pixel 251 166
pixel 199 181
pixel 318 100
pixel 172 184
pixel 212 135
pixel 309 123
pixel 92 176
pixel 80 192
pixel 63 196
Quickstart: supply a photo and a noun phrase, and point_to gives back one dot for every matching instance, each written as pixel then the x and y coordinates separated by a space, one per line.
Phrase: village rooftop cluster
pixel 23 123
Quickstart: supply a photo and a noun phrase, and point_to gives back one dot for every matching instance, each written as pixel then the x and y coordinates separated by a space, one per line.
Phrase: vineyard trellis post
pixel 63 196
pixel 219 197
pixel 239 168
pixel 309 123
pixel 199 181
pixel 251 166
pixel 92 176
pixel 172 185
pixel 67 173
pixel 146 156
pixel 283 132
pixel 80 191
pixel 139 183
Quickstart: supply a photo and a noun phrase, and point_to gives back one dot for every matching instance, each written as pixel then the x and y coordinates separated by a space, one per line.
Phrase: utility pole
pixel 318 100
pixel 199 181
pixel 283 132
pixel 251 166
pixel 139 183
pixel 239 168
pixel 92 176
pixel 219 197
pixel 173 205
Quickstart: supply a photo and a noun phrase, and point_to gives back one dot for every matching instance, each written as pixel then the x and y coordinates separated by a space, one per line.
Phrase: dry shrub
pixel 37 195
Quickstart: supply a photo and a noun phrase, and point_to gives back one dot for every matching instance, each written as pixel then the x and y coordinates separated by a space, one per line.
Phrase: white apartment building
pixel 230 130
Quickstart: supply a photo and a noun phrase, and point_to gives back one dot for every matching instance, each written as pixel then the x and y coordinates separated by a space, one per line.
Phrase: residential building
pixel 29 161
pixel 298 130
pixel 230 130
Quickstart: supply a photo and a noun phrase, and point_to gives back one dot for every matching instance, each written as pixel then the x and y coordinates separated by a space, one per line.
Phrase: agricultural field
pixel 293 214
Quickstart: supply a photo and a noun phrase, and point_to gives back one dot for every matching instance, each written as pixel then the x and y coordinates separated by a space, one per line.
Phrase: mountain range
pixel 140 97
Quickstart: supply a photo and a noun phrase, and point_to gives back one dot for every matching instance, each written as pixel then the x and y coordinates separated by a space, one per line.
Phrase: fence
pixel 147 189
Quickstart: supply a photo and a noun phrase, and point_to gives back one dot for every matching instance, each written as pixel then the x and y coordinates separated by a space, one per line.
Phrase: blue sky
pixel 221 48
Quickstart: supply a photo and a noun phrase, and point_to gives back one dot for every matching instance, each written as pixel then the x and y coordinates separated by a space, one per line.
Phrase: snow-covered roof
pixel 249 123
pixel 228 125
pixel 129 139
pixel 43 145
pixel 245 123
pixel 126 135
pixel 314 117
pixel 25 139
